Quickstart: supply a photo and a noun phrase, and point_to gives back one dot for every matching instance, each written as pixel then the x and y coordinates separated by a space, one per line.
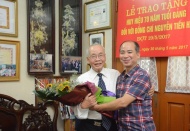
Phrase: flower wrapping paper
pixel 77 95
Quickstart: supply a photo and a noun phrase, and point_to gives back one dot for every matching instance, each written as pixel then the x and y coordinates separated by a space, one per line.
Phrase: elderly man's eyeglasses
pixel 94 57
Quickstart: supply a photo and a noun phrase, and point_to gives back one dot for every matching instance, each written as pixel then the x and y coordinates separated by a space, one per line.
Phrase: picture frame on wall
pixel 9 60
pixel 97 15
pixel 70 34
pixel 41 37
pixel 71 64
pixel 95 38
pixel 9 18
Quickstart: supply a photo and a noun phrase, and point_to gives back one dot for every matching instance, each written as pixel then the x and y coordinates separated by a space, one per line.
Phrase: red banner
pixel 161 27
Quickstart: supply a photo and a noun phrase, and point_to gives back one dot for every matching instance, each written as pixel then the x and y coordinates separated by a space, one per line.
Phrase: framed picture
pixel 9 18
pixel 9 60
pixel 44 80
pixel 41 37
pixel 97 15
pixel 97 38
pixel 70 34
pixel 71 64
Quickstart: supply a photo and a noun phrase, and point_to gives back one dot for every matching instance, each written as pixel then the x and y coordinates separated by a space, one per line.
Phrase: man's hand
pixel 95 107
pixel 151 91
pixel 89 101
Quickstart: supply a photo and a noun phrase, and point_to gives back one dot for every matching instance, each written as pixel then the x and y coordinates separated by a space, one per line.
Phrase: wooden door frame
pixel 114 30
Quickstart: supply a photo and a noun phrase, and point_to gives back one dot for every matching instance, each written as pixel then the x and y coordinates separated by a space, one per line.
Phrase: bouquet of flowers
pixel 72 93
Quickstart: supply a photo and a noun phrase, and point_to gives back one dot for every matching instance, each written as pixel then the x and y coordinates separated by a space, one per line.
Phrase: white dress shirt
pixel 109 76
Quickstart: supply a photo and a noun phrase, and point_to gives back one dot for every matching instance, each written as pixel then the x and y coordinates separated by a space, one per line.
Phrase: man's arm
pixel 151 91
pixel 81 110
pixel 116 104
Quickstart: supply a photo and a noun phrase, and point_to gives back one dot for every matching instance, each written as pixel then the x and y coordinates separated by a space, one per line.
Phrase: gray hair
pixel 88 50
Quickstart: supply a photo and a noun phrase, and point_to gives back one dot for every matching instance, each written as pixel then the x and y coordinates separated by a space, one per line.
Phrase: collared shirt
pixel 109 77
pixel 137 116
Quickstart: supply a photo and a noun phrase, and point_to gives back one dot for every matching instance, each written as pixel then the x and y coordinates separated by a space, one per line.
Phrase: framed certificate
pixel 97 15
pixel 8 18
pixel 9 60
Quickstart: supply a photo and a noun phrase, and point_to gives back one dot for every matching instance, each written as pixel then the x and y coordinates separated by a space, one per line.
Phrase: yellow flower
pixel 49 86
pixel 64 86
pixel 66 83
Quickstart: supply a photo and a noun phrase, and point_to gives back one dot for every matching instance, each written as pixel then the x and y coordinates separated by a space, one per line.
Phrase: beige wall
pixel 23 88
pixel 85 44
